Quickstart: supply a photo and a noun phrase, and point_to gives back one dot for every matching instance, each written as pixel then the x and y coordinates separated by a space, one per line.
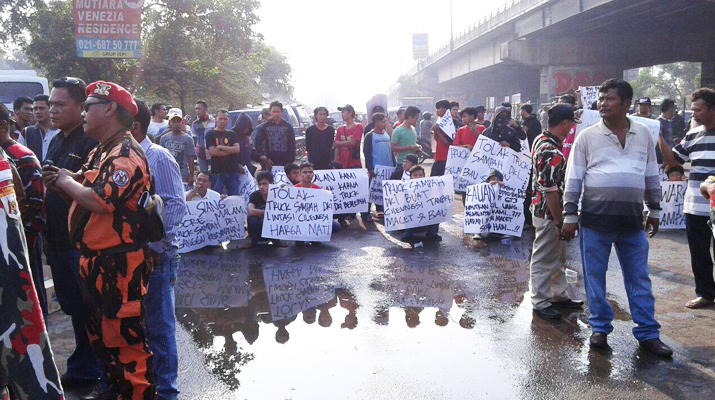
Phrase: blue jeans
pixel 161 324
pixel 83 362
pixel 231 181
pixel 632 252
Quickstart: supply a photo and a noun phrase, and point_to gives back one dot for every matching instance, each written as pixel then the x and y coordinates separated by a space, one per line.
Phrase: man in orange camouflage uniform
pixel 113 265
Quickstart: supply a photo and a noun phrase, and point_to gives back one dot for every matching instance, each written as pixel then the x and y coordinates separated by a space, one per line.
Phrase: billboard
pixel 420 46
pixel 107 28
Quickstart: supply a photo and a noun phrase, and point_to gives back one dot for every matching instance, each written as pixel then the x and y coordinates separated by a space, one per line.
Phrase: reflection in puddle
pixel 226 301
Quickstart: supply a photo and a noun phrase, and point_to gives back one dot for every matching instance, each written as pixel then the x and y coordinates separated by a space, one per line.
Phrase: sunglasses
pixel 88 105
pixel 71 80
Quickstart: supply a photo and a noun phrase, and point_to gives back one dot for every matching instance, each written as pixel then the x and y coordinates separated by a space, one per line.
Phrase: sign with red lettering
pixel 107 28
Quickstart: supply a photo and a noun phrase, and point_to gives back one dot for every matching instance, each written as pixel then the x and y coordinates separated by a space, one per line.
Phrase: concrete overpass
pixel 538 49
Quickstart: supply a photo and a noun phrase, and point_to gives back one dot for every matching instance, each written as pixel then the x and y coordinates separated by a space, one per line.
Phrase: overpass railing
pixel 495 19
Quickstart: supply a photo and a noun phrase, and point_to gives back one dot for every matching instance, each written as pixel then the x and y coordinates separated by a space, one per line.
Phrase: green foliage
pixel 676 81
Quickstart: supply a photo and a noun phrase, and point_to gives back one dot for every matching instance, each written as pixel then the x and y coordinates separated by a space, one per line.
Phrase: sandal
pixel 699 302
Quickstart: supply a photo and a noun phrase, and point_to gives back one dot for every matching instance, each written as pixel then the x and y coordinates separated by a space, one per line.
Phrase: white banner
pixel 592 117
pixel 212 222
pixel 294 213
pixel 382 173
pixel 672 202
pixel 446 124
pixel 211 280
pixel 456 158
pixel 494 209
pixel 479 202
pixel 589 94
pixel 489 154
pixel 293 289
pixel 247 185
pixel 418 202
pixel 279 175
pixel 350 188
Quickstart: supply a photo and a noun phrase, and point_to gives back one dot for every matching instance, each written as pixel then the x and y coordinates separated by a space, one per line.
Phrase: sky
pixel 347 51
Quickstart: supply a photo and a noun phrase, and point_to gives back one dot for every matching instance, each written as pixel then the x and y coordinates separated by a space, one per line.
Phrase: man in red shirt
pixel 467 135
pixel 443 141
pixel 347 139
pixel 306 177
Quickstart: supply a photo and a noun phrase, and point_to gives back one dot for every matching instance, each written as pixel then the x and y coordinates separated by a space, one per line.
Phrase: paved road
pixel 367 317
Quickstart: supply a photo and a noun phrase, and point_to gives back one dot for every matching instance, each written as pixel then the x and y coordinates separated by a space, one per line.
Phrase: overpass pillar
pixel 707 74
pixel 559 80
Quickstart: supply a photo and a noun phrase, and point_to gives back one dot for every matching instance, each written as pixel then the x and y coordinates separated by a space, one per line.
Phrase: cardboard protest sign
pixel 672 201
pixel 456 158
pixel 479 202
pixel 279 175
pixel 589 94
pixel 211 280
pixel 417 202
pixel 382 173
pixel 350 188
pixel 508 212
pixel 211 222
pixel 494 209
pixel 294 213
pixel 293 289
pixel 488 154
pixel 405 175
pixel 446 124
pixel 246 184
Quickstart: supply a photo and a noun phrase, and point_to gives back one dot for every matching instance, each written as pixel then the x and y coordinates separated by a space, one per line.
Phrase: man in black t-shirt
pixel 223 147
pixel 257 210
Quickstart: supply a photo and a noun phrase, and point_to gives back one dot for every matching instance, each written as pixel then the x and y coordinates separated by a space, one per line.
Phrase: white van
pixel 16 83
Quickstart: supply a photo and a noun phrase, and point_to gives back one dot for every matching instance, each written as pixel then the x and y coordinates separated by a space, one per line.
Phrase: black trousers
pixel 700 240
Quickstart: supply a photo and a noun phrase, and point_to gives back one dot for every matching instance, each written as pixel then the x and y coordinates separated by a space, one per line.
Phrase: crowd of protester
pixel 89 165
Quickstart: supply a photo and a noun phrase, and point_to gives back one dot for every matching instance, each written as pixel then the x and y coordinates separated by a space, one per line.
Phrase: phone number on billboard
pixel 108 44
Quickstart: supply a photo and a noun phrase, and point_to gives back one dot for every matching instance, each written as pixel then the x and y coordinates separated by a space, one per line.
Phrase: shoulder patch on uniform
pixel 120 177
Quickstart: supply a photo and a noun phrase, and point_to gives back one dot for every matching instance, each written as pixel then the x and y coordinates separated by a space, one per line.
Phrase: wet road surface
pixel 368 317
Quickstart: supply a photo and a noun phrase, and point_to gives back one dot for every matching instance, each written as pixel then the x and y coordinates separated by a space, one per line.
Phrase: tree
pixel 275 73
pixel 676 81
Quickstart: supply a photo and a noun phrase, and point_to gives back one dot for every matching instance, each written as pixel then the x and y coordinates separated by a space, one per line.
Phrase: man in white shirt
pixel 201 189
pixel 158 119
pixel 38 137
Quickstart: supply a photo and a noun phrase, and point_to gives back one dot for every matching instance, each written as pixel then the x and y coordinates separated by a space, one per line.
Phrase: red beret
pixel 113 92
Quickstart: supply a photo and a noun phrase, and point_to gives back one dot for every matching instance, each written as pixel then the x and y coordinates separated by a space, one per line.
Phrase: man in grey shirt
pixel 181 146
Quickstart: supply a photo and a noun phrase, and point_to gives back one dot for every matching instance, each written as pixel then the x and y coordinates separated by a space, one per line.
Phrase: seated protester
pixel 467 135
pixel 494 178
pixel 402 172
pixel 675 173
pixel 503 132
pixel 243 128
pixel 306 182
pixel 293 173
pixel 256 211
pixel 377 152
pixel 201 189
pixel 417 172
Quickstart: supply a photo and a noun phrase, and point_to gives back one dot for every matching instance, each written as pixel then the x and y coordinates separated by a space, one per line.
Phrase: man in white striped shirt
pixel 159 300
pixel 613 165
pixel 698 147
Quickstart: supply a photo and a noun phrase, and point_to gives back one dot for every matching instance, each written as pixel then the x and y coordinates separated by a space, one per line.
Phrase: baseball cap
pixel 644 100
pixel 563 111
pixel 347 107
pixel 113 92
pixel 174 113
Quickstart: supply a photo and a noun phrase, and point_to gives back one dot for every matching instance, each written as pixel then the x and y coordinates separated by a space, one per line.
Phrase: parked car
pixel 304 120
pixel 288 115
pixel 16 83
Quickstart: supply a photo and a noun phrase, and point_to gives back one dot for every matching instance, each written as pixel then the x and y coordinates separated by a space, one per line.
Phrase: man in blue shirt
pixel 376 149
